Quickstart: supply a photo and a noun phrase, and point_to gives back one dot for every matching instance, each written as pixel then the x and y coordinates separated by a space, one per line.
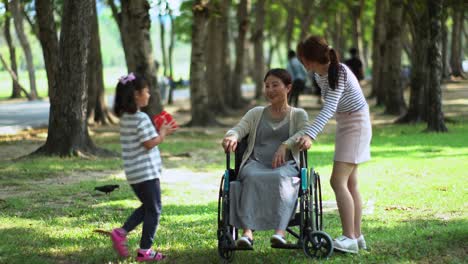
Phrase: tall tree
pixel 135 22
pixel 290 24
pixel 13 76
pixel 16 89
pixel 394 102
pixel 445 50
pixel 49 42
pixel 419 28
pixel 68 130
pixel 457 33
pixel 357 8
pixel 306 17
pixel 226 68
pixel 258 39
pixel 16 11
pixel 235 99
pixel 170 56
pixel 214 52
pixel 98 111
pixel 124 35
pixel 201 113
pixel 435 118
pixel 163 9
pixel 378 52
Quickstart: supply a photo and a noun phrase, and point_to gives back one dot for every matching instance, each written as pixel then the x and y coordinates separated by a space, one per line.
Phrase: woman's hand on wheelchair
pixel 229 144
pixel 280 156
pixel 304 142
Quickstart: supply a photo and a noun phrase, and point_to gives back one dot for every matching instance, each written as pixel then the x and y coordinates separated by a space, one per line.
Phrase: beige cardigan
pixel 249 123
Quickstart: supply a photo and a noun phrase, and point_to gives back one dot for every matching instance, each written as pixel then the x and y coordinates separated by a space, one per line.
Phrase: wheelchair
pixel 311 238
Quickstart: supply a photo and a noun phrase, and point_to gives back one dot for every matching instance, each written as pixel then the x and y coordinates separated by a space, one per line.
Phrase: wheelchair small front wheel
pixel 318 244
pixel 225 248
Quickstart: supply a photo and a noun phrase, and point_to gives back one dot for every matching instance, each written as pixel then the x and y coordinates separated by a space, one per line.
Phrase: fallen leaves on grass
pixel 398 207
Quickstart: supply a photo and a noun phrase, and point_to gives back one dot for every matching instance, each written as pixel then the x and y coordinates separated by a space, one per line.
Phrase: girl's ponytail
pixel 333 69
pixel 316 49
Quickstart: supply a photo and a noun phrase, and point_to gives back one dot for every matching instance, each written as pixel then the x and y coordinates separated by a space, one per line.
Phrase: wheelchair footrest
pixel 287 246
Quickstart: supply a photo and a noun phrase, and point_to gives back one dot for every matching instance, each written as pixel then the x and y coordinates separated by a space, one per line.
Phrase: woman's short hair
pixel 282 74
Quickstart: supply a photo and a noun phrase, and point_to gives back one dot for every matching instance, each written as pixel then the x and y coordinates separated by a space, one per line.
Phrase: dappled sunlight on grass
pixel 127 203
pixel 413 190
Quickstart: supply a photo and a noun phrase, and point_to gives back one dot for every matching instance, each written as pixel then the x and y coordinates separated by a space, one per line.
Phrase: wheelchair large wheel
pixel 316 190
pixel 318 244
pixel 226 234
pixel 225 247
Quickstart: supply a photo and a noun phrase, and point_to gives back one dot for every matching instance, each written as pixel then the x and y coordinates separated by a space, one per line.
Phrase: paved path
pixel 17 116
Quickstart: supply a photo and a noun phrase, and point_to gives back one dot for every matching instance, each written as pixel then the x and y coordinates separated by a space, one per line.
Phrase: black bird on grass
pixel 107 188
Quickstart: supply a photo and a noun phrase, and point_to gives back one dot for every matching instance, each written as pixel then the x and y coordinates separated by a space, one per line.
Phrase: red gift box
pixel 159 119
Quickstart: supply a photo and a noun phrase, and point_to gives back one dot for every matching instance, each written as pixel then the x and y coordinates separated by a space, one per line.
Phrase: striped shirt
pixel 347 97
pixel 140 164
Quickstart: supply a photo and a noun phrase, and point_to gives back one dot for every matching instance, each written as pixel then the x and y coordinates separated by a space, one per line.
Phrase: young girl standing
pixel 142 164
pixel 342 96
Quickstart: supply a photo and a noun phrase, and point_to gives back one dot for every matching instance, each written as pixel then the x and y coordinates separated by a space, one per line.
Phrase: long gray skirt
pixel 264 198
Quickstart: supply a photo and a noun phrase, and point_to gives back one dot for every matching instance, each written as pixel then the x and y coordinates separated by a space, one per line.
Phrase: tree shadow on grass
pixel 187 234
pixel 421 240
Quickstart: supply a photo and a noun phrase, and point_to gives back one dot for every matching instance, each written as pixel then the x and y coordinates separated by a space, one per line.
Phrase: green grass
pixel 415 184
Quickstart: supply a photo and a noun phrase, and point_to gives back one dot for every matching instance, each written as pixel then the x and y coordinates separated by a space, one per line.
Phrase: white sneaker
pixel 345 244
pixel 361 242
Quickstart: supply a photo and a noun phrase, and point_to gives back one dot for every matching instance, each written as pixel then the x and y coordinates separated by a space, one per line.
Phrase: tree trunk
pixel 306 18
pixel 235 100
pixel 49 42
pixel 214 59
pixel 456 50
pixel 68 130
pixel 14 77
pixel 272 47
pixel 201 113
pixel 394 101
pixel 97 106
pixel 124 35
pixel 356 9
pixel 290 26
pixel 171 51
pixel 16 89
pixel 18 21
pixel 419 22
pixel 162 34
pixel 226 69
pixel 435 119
pixel 135 20
pixel 445 58
pixel 337 31
pixel 378 52
pixel 257 39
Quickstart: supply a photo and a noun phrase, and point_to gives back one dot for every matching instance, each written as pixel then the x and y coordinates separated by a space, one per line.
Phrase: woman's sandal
pixel 278 240
pixel 244 242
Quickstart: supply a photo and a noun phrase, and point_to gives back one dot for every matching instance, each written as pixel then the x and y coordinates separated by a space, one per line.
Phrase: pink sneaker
pixel 149 255
pixel 119 240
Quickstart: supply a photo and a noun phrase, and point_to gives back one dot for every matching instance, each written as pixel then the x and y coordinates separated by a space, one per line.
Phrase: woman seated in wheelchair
pixel 267 191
